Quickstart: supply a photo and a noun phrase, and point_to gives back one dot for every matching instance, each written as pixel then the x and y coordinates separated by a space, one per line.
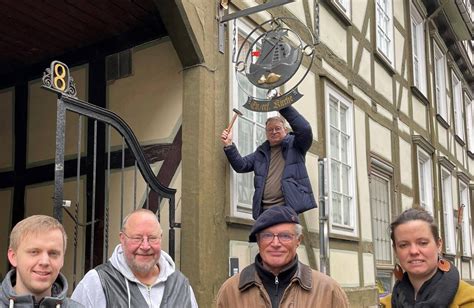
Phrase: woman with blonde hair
pixel 424 279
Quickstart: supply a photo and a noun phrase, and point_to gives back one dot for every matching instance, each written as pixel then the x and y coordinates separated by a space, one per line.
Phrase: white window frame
pixel 425 179
pixel 378 230
pixel 448 211
pixel 457 103
pixel 344 6
pixel 466 230
pixel 470 123
pixel 418 49
pixel 255 119
pixel 349 228
pixel 440 82
pixel 384 29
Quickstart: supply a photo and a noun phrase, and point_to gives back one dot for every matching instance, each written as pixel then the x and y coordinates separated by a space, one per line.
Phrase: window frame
pixel 439 62
pixel 466 227
pixel 469 123
pixel 457 99
pixel 449 228
pixel 386 35
pixel 352 228
pixel 424 164
pixel 418 50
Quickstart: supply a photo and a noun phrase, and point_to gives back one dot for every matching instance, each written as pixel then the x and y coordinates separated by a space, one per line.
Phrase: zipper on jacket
pixel 148 288
pixel 277 282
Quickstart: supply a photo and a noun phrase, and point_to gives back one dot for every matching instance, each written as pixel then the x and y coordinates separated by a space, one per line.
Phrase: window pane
pixel 336 209
pixel 335 176
pixel 334 143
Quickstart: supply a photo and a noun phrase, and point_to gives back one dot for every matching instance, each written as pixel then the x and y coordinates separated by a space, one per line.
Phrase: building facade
pixel 389 96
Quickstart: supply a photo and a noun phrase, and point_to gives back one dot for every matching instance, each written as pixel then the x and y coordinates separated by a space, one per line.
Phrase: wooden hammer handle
pixel 232 122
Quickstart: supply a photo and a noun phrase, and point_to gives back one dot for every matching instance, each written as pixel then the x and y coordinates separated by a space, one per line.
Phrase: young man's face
pixel 38 260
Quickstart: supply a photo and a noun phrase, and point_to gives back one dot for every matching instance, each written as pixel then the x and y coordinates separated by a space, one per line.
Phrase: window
pixel 339 134
pixel 470 123
pixel 381 218
pixel 458 110
pixel 466 218
pixel 385 29
pixel 418 50
pixel 440 83
pixel 425 180
pixel 345 6
pixel 447 193
pixel 249 130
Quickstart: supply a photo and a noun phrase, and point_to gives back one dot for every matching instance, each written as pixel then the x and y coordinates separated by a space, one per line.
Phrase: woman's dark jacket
pixel 295 182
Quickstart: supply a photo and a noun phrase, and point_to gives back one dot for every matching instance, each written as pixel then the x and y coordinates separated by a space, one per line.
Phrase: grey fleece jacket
pixel 9 298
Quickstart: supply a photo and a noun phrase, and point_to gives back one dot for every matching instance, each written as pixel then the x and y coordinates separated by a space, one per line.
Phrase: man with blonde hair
pixel 36 251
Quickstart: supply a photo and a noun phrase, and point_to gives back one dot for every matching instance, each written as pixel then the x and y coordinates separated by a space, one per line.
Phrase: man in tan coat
pixel 277 278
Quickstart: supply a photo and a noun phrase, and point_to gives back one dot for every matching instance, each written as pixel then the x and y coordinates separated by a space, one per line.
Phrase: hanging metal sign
pixel 271 61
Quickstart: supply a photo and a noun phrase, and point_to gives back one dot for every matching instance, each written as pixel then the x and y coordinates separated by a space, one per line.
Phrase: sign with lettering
pixel 271 62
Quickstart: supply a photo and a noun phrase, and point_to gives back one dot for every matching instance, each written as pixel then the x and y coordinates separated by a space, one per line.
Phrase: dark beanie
pixel 273 216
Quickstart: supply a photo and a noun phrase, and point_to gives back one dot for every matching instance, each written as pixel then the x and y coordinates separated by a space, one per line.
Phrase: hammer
pixel 236 113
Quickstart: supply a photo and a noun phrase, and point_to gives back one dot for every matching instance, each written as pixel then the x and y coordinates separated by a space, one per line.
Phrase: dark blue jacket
pixel 295 183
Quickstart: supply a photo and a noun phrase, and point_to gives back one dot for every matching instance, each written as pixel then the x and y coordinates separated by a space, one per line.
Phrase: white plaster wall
pixel 399 11
pixel 459 153
pixel 362 178
pixel 240 250
pixel 334 73
pixel 297 8
pixel 6 200
pixel 402 127
pixel 465 271
pixel 400 65
pixel 307 104
pixel 302 254
pixel 41 143
pixel 361 94
pixel 369 269
pixel 6 128
pixel 405 161
pixel 359 12
pixel 442 135
pixel 404 99
pixel 384 112
pixel 383 81
pixel 407 202
pixel 419 112
pixel 332 33
pixel 347 275
pixel 312 216
pixel 380 140
pixel 365 62
pixel 150 100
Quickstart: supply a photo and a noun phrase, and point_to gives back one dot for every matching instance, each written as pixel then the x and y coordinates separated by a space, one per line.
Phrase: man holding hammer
pixel 281 178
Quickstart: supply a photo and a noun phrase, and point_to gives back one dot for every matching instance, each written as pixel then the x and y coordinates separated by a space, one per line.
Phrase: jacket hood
pixel 58 290
pixel 166 264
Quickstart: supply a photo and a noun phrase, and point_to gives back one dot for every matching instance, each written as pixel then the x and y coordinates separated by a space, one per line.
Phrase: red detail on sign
pixel 255 53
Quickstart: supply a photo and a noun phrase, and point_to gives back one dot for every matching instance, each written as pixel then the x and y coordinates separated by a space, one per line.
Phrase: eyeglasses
pixel 284 237
pixel 275 129
pixel 139 239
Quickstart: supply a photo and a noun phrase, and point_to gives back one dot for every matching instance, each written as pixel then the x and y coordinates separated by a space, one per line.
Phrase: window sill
pixel 420 95
pixel 466 258
pixel 239 221
pixel 442 121
pixel 382 59
pixel 346 20
pixel 459 140
pixel 470 154
pixel 351 238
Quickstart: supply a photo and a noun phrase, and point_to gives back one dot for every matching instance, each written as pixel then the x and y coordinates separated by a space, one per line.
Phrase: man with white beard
pixel 139 273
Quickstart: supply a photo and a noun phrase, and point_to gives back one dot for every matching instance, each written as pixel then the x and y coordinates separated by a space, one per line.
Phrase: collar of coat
pixel 249 277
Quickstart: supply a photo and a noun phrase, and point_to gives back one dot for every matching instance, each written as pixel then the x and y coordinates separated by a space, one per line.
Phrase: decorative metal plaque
pixel 58 78
pixel 270 60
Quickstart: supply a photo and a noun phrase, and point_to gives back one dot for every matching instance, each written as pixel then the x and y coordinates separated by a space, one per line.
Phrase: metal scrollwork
pixel 58 78
pixel 269 59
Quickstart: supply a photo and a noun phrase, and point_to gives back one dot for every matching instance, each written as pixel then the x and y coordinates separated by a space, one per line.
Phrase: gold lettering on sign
pixel 59 73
